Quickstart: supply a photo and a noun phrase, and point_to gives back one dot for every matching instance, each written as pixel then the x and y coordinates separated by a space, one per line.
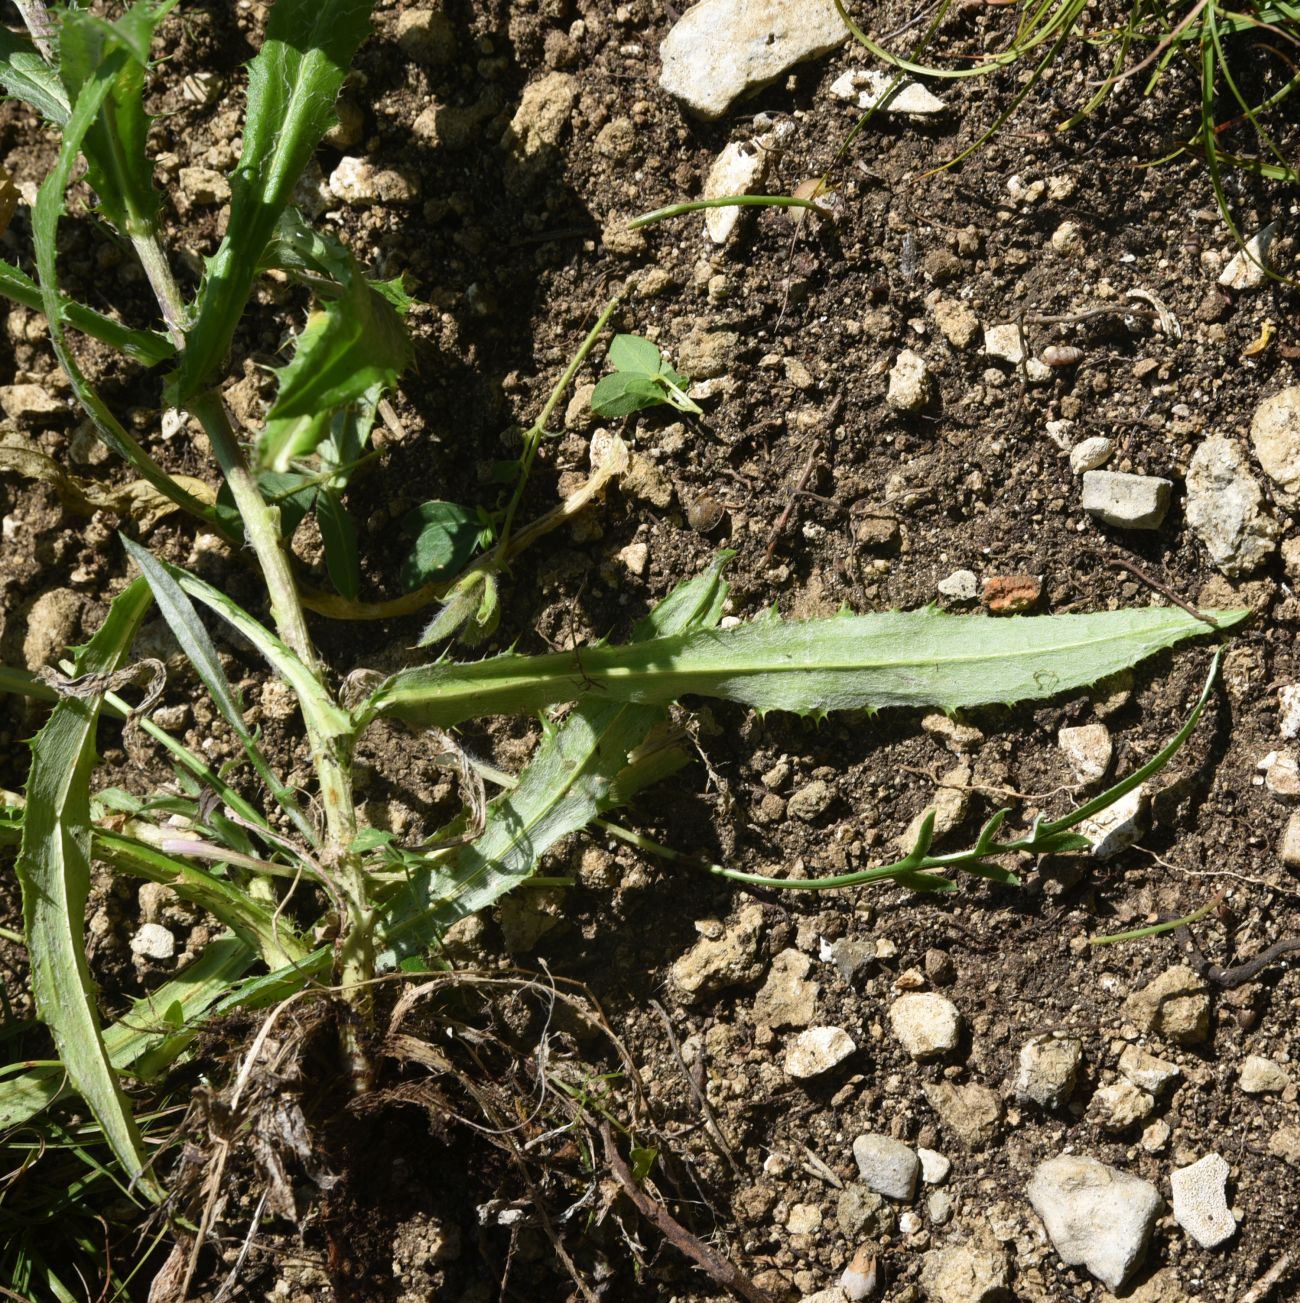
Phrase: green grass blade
pixel 161 1023
pixel 144 346
pixel 54 872
pixel 896 658
pixel 184 622
pixel 26 76
pixel 292 85
pixel 46 215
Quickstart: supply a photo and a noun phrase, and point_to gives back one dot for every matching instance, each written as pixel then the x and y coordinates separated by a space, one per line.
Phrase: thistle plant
pixel 237 839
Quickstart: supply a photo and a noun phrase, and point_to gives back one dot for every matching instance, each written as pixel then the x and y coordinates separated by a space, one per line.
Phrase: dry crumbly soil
pixel 510 256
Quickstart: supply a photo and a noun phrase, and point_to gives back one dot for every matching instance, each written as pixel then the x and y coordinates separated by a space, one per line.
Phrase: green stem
pixel 725 201
pixel 158 272
pixel 536 432
pixel 1169 925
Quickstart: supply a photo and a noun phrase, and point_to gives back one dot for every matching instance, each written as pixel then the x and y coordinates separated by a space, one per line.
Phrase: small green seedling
pixel 641 378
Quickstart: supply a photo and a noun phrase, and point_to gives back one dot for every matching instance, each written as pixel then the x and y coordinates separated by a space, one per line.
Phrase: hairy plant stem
pixel 331 755
pixel 158 272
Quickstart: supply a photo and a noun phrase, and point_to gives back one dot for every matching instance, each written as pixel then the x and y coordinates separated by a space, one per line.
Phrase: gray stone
pixel 1261 1076
pixel 865 87
pixel 153 941
pixel 1096 1216
pixel 941 1206
pixel 966 1273
pixel 1145 1070
pixel 910 383
pixel 887 1166
pixel 721 50
pixel 1049 1069
pixel 1119 825
pixel 1226 508
pixel 811 801
pixel 852 958
pixel 1201 1201
pixel 972 1113
pixel 961 586
pixel 1248 267
pixel 786 998
pixel 1275 436
pixel 1088 751
pixel 1121 1105
pixel 1175 1005
pixel 1126 501
pixel 723 959
pixel 817 1050
pixel 926 1024
pixel 1289 851
pixel 860 1211
pixel 1091 454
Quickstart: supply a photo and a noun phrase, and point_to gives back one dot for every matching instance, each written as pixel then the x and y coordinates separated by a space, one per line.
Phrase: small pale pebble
pixel 1201 1202
pixel 1290 849
pixel 1261 1076
pixel 961 586
pixel 1088 751
pixel 1061 433
pixel 1126 501
pixel 153 941
pixel 940 1207
pixel 634 557
pixel 1122 1105
pixel 1246 270
pixel 910 384
pixel 1118 826
pixel 804 1219
pixel 1068 239
pixel 909 1223
pixel 934 1166
pixel 1004 343
pixel 927 1025
pixel 1091 454
pixel 865 87
pixel 1281 774
pixel 817 1050
pixel 1146 1071
pixel 1156 1136
pixel 1288 701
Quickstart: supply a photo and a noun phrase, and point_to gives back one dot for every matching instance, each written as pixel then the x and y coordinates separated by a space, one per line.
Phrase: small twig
pixel 701 1101
pixel 720 1271
pixel 1087 314
pixel 1278 1272
pixel 784 518
pixel 1120 563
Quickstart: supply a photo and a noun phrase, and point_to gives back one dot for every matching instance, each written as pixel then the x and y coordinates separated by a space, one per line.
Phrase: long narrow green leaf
pixel 145 346
pixel 896 658
pixel 54 872
pixel 595 760
pixel 45 227
pixel 160 1023
pixel 26 76
pixel 184 622
pixel 292 85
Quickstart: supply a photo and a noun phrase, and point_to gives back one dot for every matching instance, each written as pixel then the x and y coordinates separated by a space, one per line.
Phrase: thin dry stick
pixel 720 1271
pixel 1119 563
pixel 1260 1290
pixel 701 1101
pixel 784 518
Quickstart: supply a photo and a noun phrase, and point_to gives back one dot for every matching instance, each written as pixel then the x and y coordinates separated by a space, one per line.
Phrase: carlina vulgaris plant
pixel 388 903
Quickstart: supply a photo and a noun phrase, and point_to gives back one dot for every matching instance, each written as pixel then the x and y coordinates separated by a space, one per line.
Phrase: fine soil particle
pixel 478 1171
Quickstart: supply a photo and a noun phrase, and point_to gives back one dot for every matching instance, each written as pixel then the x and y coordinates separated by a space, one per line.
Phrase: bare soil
pixel 471 1181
